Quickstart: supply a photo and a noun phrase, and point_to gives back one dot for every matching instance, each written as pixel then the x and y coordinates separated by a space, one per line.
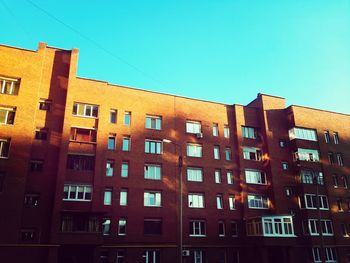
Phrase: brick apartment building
pixel 90 172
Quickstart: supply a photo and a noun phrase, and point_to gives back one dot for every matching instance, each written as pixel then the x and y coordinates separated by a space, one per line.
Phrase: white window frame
pixel 110 168
pixel 216 152
pixel 122 222
pixel 215 129
pixel 228 154
pixel 152 171
pixel 153 122
pixel 194 150
pixel 335 138
pixel 258 201
pixel 194 174
pixel 198 228
pixel 331 254
pixel 86 107
pixel 232 202
pixel 226 131
pixel 156 196
pixel 69 189
pixel 193 127
pixel 277 226
pixel 124 169
pixel 107 197
pixel 13 81
pixel 127 118
pixel 7 111
pixel 229 177
pixel 255 177
pixel 5 147
pixel 126 144
pixel 217 176
pixel 153 146
pixel 249 132
pixel 308 155
pixel 303 134
pixel 219 202
pixel 256 151
pixel 123 197
pixel 196 200
pixel 221 224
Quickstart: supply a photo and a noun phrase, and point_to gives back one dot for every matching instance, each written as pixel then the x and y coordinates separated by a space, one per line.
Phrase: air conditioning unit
pixel 185 253
pixel 199 135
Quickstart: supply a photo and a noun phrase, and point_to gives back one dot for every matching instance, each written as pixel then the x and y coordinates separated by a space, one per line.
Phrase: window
pixel 285 166
pixel 303 134
pixel 229 176
pixel 195 200
pixel 80 223
pixel 111 141
pixel 340 205
pixel 326 137
pixel 152 171
pixel 4 147
pixel 127 118
pixel 193 127
pixel 258 201
pixel 330 158
pixel 85 110
pixel 288 191
pixel 80 162
pixel 126 144
pixel 154 122
pixel 311 227
pixel 28 234
pixel 41 134
pixel 282 143
pixel 36 165
pixel 31 200
pixel 226 131
pixel 83 134
pixel 331 255
pixel 152 198
pixel 123 197
pixel 231 202
pixel 199 256
pixel 197 228
pixel 9 86
pixel 217 174
pixel 255 177
pixel 151 256
pixel 308 155
pixel 125 169
pixel 310 202
pixel 77 192
pixel 309 177
pixel 194 174
pixel 120 257
pixel 45 104
pixel 106 226
pixel 335 181
pixel 219 204
pixel 215 129
pixel 340 159
pixel 344 230
pixel 327 227
pixel 216 152
pixel 153 146
pixel 109 168
pixel 277 226
pixel 234 229
pixel 7 115
pixel 152 226
pixel 221 225
pixel 113 116
pixel 335 138
pixel 249 132
pixel 107 200
pixel 122 227
pixel 316 254
pixel 252 154
pixel 345 181
pixel 228 154
pixel 194 150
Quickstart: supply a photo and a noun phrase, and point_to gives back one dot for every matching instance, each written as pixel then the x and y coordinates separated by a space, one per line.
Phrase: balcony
pixel 271 226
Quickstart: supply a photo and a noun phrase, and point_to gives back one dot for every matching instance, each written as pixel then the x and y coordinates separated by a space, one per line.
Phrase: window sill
pixel 197 235
pixel 87 117
pixel 83 142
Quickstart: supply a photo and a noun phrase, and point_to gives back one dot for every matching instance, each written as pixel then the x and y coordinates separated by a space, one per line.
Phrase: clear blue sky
pixel 218 50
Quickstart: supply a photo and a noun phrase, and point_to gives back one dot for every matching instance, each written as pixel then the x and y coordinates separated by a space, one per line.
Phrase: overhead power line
pixel 96 44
